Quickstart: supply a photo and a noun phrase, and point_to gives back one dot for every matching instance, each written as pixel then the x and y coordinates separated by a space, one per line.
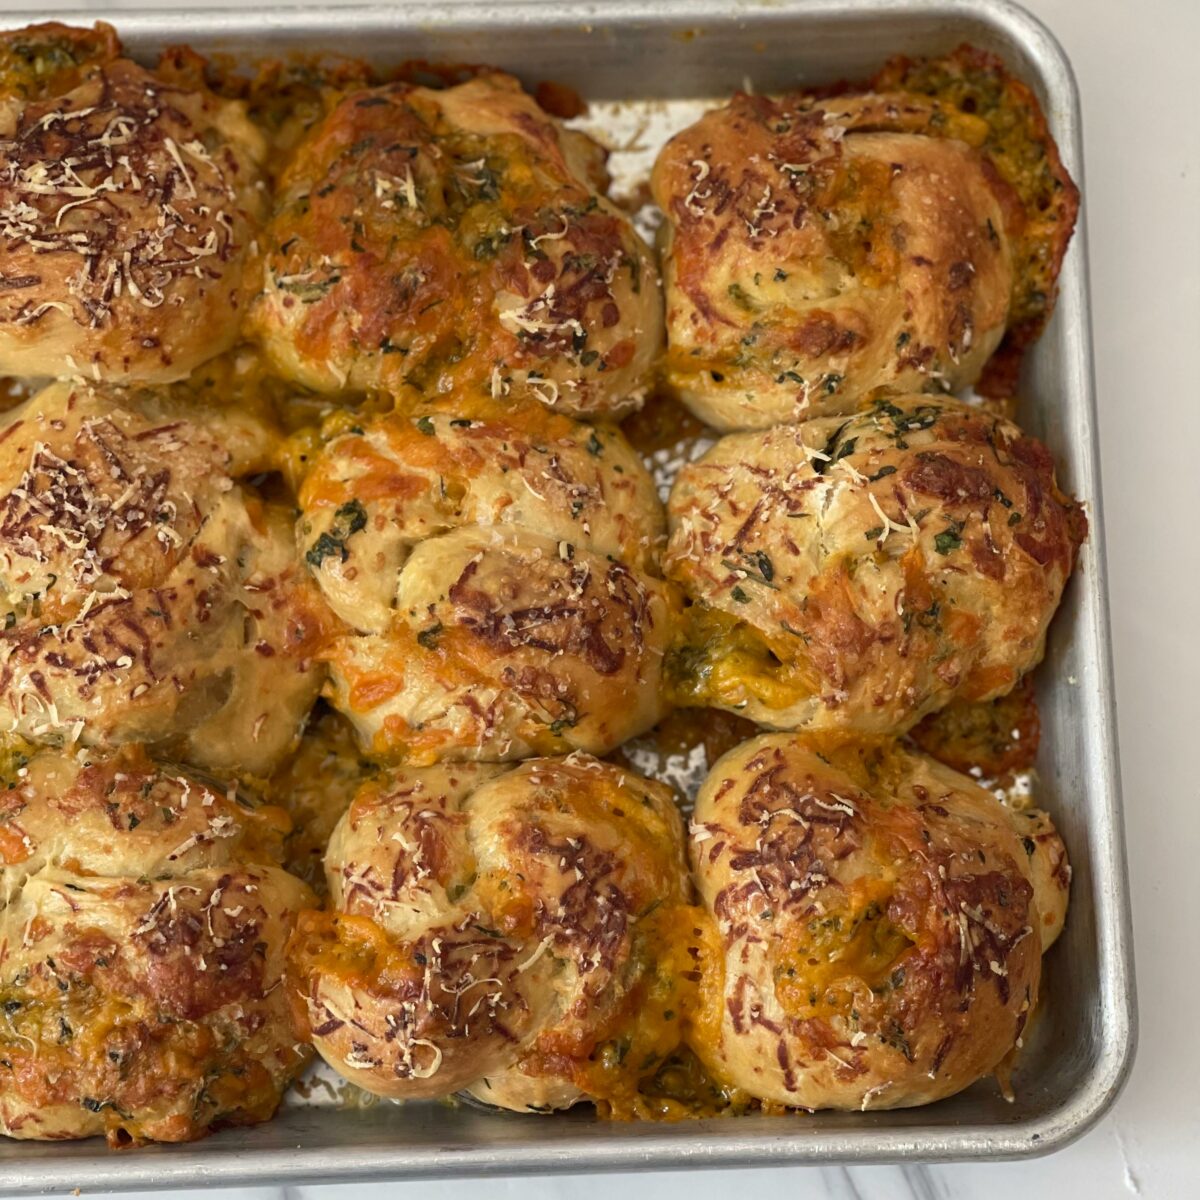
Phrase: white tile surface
pixel 1136 67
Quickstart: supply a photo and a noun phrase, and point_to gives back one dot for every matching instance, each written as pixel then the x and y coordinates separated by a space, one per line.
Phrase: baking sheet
pixel 671 57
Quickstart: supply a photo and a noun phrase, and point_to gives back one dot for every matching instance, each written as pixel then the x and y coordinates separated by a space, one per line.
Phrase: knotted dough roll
pixel 861 572
pixel 495 576
pixel 128 203
pixel 817 248
pixel 521 933
pixel 431 241
pixel 147 595
pixel 881 918
pixel 143 924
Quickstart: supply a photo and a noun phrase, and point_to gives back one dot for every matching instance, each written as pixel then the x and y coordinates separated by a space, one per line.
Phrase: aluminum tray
pixel 1082 1045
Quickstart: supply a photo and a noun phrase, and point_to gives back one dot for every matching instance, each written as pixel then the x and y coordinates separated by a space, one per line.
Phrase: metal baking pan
pixel 1082 1045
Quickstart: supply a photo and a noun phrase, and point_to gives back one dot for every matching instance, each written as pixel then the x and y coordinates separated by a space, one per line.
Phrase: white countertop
pixel 1142 195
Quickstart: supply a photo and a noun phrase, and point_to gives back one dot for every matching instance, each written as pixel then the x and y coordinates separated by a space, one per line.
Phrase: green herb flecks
pixel 350 519
pixel 427 639
pixel 741 297
pixel 756 565
pixel 829 455
pixel 950 539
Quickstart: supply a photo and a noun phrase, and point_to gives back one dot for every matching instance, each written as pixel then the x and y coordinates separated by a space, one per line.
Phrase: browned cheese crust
pixel 432 241
pixel 143 926
pixel 882 921
pixel 148 596
pixel 816 249
pixel 516 932
pixel 127 206
pixel 862 572
pixel 494 575
pixel 991 738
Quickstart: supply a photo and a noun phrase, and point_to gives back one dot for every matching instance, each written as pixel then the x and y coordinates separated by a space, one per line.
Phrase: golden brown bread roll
pixel 148 596
pixel 127 206
pixel 882 921
pixel 504 645
pixel 143 925
pixel 429 241
pixel 1019 146
pixel 861 572
pixel 817 249
pixel 493 579
pixel 400 480
pixel 516 932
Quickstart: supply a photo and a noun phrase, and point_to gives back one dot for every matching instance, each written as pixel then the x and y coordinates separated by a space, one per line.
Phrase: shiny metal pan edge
pixel 1082 1045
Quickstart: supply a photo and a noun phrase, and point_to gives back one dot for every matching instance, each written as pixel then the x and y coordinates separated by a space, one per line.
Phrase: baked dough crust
pixel 499 930
pixel 817 248
pixel 882 922
pixel 128 203
pixel 143 924
pixel 495 576
pixel 861 572
pixel 401 479
pixel 149 596
pixel 431 241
